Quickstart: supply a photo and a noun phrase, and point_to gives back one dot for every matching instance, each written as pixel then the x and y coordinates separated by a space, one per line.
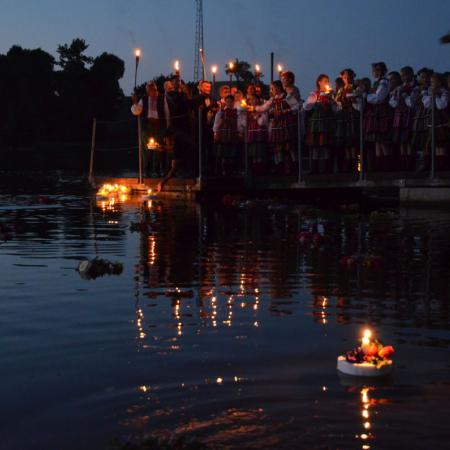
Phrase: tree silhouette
pixel 445 39
pixel 72 56
pixel 241 71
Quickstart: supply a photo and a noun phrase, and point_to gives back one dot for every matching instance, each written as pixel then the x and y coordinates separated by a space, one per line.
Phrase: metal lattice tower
pixel 198 67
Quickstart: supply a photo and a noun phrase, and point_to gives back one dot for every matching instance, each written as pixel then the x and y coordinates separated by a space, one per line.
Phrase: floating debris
pixel 97 267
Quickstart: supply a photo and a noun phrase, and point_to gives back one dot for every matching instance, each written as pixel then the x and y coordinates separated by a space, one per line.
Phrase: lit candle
pixel 365 341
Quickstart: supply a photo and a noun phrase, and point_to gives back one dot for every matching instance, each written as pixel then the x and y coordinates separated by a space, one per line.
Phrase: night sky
pixel 307 37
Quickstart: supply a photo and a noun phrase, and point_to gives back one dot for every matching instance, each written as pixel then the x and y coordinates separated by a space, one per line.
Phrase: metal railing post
pixel 200 145
pixel 93 140
pixel 362 155
pixel 246 146
pixel 433 137
pixel 299 147
pixel 139 124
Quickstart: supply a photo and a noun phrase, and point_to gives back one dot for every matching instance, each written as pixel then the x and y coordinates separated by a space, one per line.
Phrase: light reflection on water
pixel 225 324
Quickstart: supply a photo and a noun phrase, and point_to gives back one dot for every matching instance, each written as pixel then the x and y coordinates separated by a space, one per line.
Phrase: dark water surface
pixel 245 355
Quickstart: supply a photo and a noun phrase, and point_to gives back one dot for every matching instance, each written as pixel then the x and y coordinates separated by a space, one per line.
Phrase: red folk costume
pixel 347 119
pixel 403 114
pixel 226 127
pixel 257 132
pixel 320 124
pixel 278 115
pixel 378 114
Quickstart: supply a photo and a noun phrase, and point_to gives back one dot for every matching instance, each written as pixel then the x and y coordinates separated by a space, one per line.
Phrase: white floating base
pixel 363 369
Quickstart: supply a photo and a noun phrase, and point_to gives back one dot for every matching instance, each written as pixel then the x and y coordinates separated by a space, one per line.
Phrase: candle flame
pixel 366 337
pixel 258 68
pixel 214 69
pixel 176 65
pixel 328 88
pixel 231 65
pixel 280 68
pixel 243 103
pixel 137 52
pixel 152 144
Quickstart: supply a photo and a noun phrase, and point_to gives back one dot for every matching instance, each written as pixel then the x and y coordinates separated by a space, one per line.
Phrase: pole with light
pixel 137 54
pixel 231 70
pixel 257 73
pixel 214 72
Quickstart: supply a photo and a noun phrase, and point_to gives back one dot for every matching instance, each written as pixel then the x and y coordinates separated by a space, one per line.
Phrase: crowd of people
pixel 394 114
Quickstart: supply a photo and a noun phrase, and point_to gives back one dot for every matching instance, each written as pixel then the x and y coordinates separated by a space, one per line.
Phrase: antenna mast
pixel 198 65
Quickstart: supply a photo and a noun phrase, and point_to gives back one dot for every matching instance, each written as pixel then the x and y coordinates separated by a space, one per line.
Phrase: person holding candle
pixel 439 92
pixel 378 116
pixel 151 108
pixel 229 125
pixel 320 124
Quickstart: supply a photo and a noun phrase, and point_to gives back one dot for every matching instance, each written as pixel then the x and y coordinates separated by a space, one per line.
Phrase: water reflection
pixel 226 322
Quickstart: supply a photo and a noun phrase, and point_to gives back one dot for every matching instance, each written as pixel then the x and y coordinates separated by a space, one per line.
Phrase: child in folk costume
pixel 378 116
pixel 257 136
pixel 347 122
pixel 419 128
pixel 403 117
pixel 441 96
pixel 278 110
pixel 228 128
pixel 320 124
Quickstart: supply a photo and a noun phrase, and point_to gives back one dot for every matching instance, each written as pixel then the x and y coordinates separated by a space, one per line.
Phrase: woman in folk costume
pixel 278 110
pixel 419 128
pixel 257 136
pixel 403 117
pixel 439 92
pixel 229 125
pixel 347 122
pixel 378 116
pixel 294 101
pixel 320 124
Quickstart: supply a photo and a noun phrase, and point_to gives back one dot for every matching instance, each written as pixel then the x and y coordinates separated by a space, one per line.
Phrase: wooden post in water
pixel 93 139
pixel 299 147
pixel 362 156
pixel 200 145
pixel 139 125
pixel 433 137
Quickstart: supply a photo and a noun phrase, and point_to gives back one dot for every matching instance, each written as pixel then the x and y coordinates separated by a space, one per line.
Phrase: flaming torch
pixel 280 70
pixel 214 71
pixel 231 70
pixel 257 73
pixel 137 54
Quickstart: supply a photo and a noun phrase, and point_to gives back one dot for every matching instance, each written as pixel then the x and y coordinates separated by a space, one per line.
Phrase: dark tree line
pixel 43 99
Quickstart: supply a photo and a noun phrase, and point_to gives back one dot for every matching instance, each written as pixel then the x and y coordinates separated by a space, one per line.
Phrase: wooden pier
pixel 412 188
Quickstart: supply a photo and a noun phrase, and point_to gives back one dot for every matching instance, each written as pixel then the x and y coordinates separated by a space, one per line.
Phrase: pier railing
pixel 201 156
